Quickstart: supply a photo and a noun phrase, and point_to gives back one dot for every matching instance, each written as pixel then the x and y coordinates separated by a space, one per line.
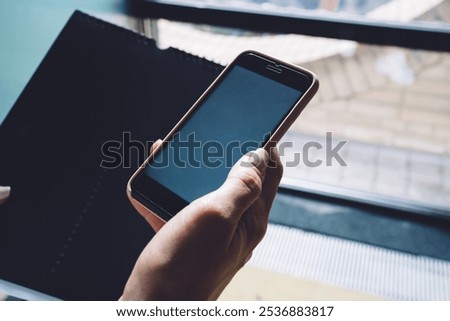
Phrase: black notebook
pixel 68 229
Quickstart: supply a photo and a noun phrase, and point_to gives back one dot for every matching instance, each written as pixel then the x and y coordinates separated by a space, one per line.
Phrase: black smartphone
pixel 251 104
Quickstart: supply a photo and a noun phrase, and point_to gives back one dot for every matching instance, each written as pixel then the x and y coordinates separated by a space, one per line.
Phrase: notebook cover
pixel 68 229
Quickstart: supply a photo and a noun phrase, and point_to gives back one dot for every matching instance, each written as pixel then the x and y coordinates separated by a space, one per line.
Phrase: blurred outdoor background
pixel 390 104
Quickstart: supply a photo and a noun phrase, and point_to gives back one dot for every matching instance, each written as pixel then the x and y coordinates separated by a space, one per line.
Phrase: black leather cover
pixel 68 229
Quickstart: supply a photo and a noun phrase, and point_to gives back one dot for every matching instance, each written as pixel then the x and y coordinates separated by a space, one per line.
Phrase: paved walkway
pixel 388 96
pixel 393 106
pixel 388 171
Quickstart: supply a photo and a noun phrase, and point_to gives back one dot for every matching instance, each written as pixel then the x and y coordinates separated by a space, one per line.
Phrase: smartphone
pixel 251 104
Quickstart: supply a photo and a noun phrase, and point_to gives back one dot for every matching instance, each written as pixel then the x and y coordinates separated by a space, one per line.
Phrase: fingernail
pixel 258 158
pixel 4 192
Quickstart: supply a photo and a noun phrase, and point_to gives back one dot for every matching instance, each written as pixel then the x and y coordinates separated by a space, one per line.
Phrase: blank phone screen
pixel 237 117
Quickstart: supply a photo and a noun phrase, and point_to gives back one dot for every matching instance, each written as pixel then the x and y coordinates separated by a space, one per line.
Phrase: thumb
pixel 4 193
pixel 243 185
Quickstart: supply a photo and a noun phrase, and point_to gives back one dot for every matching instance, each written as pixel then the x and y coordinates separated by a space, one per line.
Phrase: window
pixel 389 104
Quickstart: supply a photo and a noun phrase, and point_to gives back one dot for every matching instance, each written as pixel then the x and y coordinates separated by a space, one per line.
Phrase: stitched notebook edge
pixel 181 54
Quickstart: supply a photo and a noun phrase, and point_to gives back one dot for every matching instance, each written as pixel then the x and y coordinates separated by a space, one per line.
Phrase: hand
pixel 4 193
pixel 197 253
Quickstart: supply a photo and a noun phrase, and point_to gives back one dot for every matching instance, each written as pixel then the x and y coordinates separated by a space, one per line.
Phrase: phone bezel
pixel 150 194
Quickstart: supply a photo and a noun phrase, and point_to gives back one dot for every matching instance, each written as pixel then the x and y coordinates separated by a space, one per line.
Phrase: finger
pixel 272 180
pixel 155 221
pixel 243 185
pixel 4 193
pixel 155 146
